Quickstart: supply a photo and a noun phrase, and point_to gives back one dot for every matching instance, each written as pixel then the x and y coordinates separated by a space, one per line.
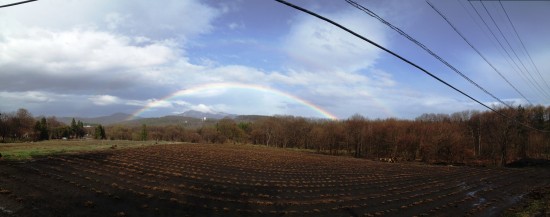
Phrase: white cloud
pixel 27 97
pixel 154 103
pixel 180 103
pixel 167 19
pixel 138 103
pixel 203 108
pixel 316 46
pixel 104 100
pixel 114 20
pixel 111 45
pixel 43 101
pixel 78 59
pixel 79 49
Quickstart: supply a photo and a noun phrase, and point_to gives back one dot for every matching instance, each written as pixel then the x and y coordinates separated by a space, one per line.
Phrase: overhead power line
pixel 527 76
pixel 476 50
pixel 17 3
pixel 523 45
pixel 470 14
pixel 513 50
pixel 505 50
pixel 424 47
pixel 404 60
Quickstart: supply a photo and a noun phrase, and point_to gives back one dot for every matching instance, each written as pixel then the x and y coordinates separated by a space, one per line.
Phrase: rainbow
pixel 217 86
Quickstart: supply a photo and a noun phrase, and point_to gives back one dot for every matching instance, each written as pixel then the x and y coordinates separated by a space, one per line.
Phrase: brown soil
pixel 232 180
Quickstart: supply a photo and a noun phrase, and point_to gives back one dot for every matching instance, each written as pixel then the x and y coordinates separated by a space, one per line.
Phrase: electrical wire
pixel 402 59
pixel 523 45
pixel 401 32
pixel 17 3
pixel 481 28
pixel 514 52
pixel 476 50
pixel 506 51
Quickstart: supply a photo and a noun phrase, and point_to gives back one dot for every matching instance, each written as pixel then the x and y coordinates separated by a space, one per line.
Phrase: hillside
pixel 188 119
pixel 103 120
pixel 188 122
pixel 207 115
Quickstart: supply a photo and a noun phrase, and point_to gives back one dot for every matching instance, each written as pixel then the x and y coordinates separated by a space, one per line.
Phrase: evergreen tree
pixel 37 129
pixel 66 132
pixel 103 135
pixel 80 132
pixel 74 128
pixel 41 128
pixel 3 127
pixel 44 131
pixel 97 132
pixel 100 132
pixel 77 129
pixel 143 134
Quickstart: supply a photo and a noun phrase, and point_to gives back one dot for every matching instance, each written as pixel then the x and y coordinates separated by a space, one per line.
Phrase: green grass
pixel 536 203
pixel 533 208
pixel 29 150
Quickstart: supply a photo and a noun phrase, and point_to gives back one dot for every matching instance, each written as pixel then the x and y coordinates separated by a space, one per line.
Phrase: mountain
pixel 249 118
pixel 187 122
pixel 207 115
pixel 103 120
pixel 188 119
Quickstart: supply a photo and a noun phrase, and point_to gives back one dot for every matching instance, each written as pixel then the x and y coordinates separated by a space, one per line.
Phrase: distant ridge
pixel 187 122
pixel 103 120
pixel 207 115
pixel 188 119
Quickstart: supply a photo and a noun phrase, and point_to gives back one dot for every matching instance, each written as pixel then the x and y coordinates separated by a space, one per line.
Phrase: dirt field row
pixel 233 180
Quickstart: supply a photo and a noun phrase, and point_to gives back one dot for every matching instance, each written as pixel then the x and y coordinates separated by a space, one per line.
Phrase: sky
pixel 90 58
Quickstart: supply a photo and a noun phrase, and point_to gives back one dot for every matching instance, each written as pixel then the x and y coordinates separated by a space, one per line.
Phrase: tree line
pixel 22 126
pixel 468 137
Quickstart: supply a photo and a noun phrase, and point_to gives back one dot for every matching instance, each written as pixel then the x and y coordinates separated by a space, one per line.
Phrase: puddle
pixel 472 193
pixel 4 210
pixel 516 199
pixel 480 201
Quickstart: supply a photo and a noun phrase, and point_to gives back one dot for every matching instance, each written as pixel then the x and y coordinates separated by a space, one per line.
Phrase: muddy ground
pixel 234 180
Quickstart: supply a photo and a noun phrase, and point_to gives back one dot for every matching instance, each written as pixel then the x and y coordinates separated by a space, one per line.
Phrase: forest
pixel 462 138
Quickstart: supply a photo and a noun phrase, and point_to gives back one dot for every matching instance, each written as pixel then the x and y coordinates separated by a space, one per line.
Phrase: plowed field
pixel 233 180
